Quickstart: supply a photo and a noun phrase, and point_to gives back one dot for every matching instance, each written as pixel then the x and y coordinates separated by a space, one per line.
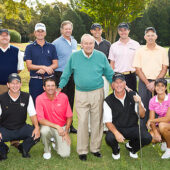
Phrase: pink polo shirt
pixel 123 55
pixel 160 108
pixel 56 111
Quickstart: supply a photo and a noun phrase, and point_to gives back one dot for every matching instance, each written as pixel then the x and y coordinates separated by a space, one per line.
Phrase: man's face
pixel 14 86
pixel 88 45
pixel 150 37
pixel 123 33
pixel 50 87
pixel 119 85
pixel 97 32
pixel 4 38
pixel 40 34
pixel 66 31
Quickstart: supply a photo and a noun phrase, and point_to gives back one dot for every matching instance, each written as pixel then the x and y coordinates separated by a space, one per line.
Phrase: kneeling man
pixel 55 117
pixel 120 116
pixel 14 106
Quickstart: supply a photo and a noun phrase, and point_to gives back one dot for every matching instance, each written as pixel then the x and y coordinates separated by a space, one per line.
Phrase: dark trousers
pixel 131 134
pixel 145 95
pixel 35 88
pixel 131 81
pixel 24 133
pixel 69 89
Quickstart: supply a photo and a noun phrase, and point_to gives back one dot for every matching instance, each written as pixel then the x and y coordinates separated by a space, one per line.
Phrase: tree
pixel 111 12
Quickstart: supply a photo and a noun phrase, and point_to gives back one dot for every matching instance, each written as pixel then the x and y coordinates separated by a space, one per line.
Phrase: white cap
pixel 40 26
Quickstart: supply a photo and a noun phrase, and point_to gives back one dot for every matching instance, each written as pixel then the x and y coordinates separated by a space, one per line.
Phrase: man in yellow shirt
pixel 151 62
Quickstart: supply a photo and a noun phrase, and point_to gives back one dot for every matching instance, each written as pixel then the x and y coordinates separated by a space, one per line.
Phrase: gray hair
pixel 87 35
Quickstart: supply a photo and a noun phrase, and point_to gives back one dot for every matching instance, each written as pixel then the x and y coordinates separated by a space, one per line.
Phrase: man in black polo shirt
pixel 14 106
pixel 120 116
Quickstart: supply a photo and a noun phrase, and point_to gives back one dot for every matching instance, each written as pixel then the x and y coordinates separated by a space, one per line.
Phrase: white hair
pixel 87 35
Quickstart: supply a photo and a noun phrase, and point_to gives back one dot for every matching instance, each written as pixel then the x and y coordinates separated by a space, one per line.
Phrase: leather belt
pixel 128 72
pixel 41 77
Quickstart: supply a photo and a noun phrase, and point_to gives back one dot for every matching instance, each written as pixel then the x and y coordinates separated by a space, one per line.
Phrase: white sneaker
pixel 166 155
pixel 47 155
pixel 116 157
pixel 163 146
pixel 128 146
pixel 133 155
pixel 52 139
pixel 53 145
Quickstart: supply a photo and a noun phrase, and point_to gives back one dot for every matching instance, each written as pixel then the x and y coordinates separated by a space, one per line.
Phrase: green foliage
pixel 15 36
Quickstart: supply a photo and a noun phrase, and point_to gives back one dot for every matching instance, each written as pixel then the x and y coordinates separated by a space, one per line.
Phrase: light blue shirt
pixel 64 51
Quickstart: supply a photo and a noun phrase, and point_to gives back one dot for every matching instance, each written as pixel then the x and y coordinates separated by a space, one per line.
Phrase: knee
pixel 162 127
pixel 110 138
pixel 147 139
pixel 45 130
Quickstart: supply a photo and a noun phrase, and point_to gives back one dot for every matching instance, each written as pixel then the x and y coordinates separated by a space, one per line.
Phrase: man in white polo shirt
pixel 122 53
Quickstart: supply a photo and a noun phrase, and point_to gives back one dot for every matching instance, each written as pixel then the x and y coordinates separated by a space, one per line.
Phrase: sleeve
pixel 54 53
pixel 66 73
pixel 111 53
pixel 108 71
pixel 151 104
pixel 69 112
pixel 107 113
pixel 0 110
pixel 20 61
pixel 28 54
pixel 137 59
pixel 39 109
pixel 165 59
pixel 31 109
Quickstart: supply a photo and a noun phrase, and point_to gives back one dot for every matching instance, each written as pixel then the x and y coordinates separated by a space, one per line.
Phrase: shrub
pixel 15 36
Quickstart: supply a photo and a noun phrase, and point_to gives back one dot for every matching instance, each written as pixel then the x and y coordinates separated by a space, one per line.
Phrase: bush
pixel 15 36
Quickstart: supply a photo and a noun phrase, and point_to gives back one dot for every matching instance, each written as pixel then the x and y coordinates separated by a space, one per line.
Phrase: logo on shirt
pixel 48 52
pixel 132 49
pixel 22 104
pixel 59 104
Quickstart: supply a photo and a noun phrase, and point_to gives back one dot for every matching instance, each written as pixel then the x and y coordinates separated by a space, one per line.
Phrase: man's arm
pixel 36 131
pixel 163 72
pixel 112 64
pixel 68 124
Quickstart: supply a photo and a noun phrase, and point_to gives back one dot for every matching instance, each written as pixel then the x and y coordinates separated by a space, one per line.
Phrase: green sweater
pixel 87 72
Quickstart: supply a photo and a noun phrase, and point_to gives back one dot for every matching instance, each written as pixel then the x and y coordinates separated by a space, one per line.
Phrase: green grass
pixel 151 159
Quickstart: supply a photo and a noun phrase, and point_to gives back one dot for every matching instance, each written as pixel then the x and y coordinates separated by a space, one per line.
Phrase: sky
pixel 50 1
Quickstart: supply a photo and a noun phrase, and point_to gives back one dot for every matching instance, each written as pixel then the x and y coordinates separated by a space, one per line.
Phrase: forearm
pixel 112 64
pixel 141 110
pixel 112 127
pixel 161 119
pixel 163 72
pixel 34 67
pixel 141 75
pixel 68 124
pixel 48 123
pixel 34 121
pixel 54 65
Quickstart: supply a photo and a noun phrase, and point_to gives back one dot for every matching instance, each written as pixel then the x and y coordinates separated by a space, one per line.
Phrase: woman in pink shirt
pixel 159 127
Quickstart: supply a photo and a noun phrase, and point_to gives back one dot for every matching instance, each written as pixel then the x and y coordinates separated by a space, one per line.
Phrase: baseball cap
pixel 14 76
pixel 40 26
pixel 150 28
pixel 118 76
pixel 123 25
pixel 96 25
pixel 161 80
pixel 4 30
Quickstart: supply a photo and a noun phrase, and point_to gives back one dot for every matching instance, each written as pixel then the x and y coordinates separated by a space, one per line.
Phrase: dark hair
pixel 163 81
pixel 48 79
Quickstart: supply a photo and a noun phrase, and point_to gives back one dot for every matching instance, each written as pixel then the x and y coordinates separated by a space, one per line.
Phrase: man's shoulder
pixel 3 95
pixel 134 42
pixel 106 42
pixel 99 53
pixel 160 48
pixel 57 40
pixel 13 47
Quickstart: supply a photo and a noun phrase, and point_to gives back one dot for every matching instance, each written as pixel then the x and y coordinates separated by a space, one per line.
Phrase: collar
pixel 86 55
pixel 165 99
pixel 46 97
pixel 4 50
pixel 121 43
pixel 118 98
pixel 35 43
pixel 155 48
pixel 14 99
pixel 99 42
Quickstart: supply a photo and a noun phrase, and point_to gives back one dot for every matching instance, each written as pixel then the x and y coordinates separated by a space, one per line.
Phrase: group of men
pixel 86 73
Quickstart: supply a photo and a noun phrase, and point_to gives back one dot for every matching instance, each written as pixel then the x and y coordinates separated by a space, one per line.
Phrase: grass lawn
pixel 151 159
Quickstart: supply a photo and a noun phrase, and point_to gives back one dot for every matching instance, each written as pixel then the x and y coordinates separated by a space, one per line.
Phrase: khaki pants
pixel 62 148
pixel 89 103
pixel 3 89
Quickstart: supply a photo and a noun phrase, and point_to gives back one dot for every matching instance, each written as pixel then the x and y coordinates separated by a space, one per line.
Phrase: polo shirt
pixel 103 46
pixel 151 61
pixel 160 108
pixel 64 50
pixel 123 55
pixel 40 55
pixel 56 111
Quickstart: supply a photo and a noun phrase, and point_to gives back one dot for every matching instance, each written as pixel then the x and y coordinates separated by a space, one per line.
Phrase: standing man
pixel 65 45
pixel 14 106
pixel 120 116
pixel 88 66
pixel 41 60
pixel 55 117
pixel 11 60
pixel 122 54
pixel 151 62
pixel 102 45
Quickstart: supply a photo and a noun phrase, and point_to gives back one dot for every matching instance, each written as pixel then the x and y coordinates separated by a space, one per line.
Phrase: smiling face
pixel 150 37
pixel 50 88
pixel 119 85
pixel 160 88
pixel 14 86
pixel 66 31
pixel 40 34
pixel 123 33
pixel 4 39
pixel 97 32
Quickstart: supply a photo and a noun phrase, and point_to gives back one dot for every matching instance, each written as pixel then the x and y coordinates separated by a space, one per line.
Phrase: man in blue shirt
pixel 41 60
pixel 65 45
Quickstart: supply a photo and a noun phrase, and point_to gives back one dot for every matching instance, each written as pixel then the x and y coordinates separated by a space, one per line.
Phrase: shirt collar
pixel 99 42
pixel 123 97
pixel 165 99
pixel 4 50
pixel 129 42
pixel 155 48
pixel 46 97
pixel 86 55
pixel 14 99
pixel 35 43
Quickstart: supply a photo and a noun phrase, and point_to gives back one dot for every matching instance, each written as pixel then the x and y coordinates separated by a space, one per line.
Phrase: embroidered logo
pixel 22 104
pixel 59 104
pixel 48 52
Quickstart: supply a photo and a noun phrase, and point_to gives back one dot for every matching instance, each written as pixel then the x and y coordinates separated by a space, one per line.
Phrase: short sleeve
pixel 28 54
